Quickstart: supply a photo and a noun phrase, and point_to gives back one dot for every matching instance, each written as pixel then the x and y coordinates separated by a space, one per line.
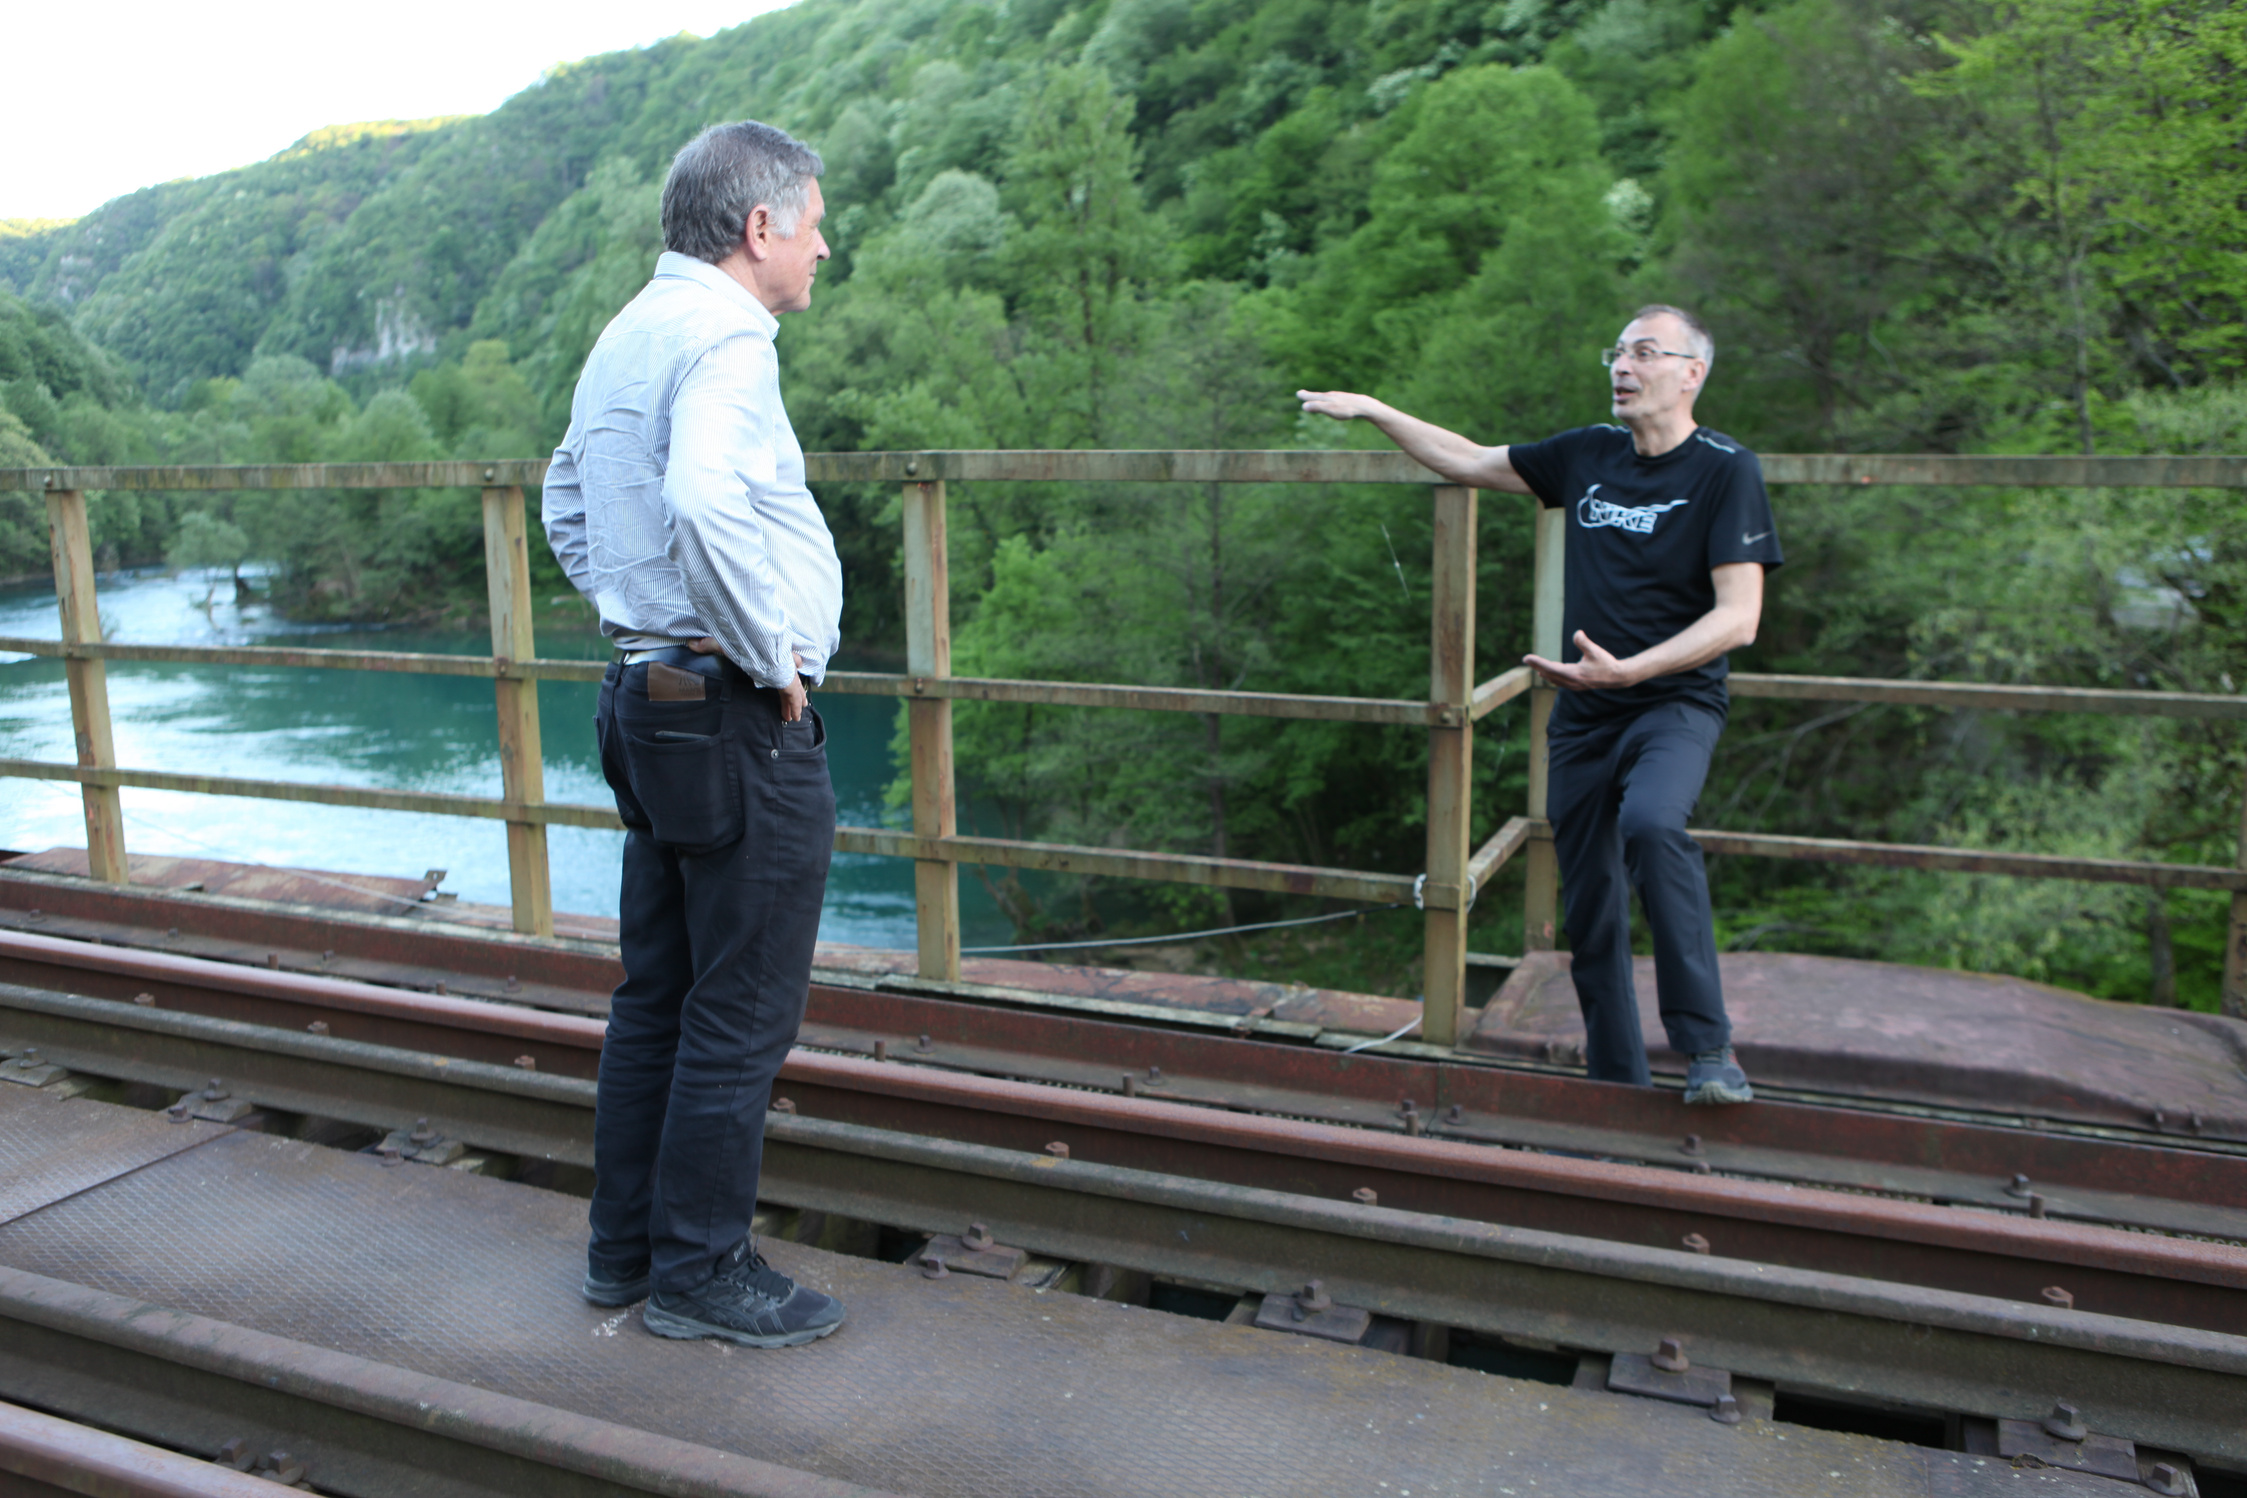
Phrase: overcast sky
pixel 106 98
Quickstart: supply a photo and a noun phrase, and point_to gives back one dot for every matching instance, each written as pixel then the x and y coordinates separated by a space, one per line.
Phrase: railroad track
pixel 1863 1296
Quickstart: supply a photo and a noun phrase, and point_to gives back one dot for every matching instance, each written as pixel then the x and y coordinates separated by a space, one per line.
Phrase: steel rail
pixel 544 1116
pixel 364 1428
pixel 1199 1060
pixel 79 1459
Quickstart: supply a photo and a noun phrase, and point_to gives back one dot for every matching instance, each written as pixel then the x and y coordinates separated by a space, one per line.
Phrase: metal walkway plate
pixel 958 1386
pixel 53 1147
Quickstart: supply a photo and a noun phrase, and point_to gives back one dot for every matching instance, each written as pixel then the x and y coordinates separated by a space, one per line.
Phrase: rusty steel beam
pixel 2175 1183
pixel 72 1458
pixel 1403 1254
pixel 363 1428
pixel 494 1106
pixel 1176 868
pixel 1283 466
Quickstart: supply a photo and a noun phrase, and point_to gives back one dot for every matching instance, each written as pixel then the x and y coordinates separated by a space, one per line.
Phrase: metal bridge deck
pixel 956 1386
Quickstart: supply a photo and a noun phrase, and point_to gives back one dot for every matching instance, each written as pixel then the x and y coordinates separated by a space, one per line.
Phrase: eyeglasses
pixel 1640 353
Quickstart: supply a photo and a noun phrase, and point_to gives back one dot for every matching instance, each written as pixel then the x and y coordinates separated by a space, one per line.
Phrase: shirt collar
pixel 702 272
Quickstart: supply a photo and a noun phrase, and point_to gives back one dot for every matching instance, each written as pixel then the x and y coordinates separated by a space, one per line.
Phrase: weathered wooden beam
pixel 1170 868
pixel 1503 845
pixel 1498 691
pixel 489 807
pixel 1978 470
pixel 1283 466
pixel 1540 899
pixel 522 761
pixel 928 655
pixel 1971 861
pixel 1402 710
pixel 1968 694
pixel 1451 766
pixel 73 550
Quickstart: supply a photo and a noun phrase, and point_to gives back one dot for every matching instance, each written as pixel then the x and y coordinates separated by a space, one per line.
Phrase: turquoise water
pixel 377 729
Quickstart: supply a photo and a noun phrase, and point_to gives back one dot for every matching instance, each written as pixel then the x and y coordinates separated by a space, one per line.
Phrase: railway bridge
pixel 290 1157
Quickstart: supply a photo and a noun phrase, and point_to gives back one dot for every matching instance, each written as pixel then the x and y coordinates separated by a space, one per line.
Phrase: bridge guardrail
pixel 1454 872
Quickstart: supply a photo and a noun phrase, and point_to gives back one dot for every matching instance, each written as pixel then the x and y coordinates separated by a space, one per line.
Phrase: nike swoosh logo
pixel 1748 540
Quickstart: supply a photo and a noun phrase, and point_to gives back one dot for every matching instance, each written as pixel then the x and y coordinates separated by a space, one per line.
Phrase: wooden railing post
pixel 1540 903
pixel 89 681
pixel 928 656
pixel 1451 752
pixel 2235 938
pixel 522 767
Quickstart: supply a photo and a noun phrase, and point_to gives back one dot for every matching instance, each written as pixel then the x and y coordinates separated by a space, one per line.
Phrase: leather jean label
pixel 670 684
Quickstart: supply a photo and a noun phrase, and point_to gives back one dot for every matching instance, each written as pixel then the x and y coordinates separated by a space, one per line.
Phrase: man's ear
pixel 756 232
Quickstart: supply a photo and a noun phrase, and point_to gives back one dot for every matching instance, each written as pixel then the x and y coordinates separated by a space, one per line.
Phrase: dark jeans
pixel 1618 795
pixel 729 823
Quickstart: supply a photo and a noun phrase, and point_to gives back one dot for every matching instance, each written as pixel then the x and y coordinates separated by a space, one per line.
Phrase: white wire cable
pixel 1142 941
pixel 1365 1045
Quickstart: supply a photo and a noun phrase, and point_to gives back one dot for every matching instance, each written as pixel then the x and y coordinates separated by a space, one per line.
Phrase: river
pixel 379 729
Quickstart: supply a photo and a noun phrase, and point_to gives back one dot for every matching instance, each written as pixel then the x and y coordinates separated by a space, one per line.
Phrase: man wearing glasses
pixel 1669 535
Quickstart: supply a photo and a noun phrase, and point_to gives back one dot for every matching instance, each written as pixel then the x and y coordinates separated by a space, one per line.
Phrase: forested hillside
pixel 1913 227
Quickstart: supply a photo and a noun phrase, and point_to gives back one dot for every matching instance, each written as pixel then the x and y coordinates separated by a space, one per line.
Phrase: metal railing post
pixel 522 767
pixel 928 656
pixel 2235 937
pixel 1451 745
pixel 89 682
pixel 1540 901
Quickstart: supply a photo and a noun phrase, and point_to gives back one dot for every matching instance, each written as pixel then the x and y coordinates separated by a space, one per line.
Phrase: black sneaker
pixel 749 1302
pixel 1715 1077
pixel 609 1287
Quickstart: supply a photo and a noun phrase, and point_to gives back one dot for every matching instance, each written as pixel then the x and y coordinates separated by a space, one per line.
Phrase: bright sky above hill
pixel 106 98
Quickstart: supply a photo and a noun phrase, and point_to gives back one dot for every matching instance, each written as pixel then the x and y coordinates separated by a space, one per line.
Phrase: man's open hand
pixel 1342 405
pixel 1596 671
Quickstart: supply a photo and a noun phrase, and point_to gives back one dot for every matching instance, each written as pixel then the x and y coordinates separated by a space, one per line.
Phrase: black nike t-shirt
pixel 1642 536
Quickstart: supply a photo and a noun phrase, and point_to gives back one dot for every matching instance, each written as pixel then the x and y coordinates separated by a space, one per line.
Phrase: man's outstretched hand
pixel 1596 671
pixel 1342 405
pixel 792 696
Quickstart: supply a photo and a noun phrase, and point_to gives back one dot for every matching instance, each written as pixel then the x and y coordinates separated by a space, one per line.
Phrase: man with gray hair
pixel 1669 536
pixel 677 504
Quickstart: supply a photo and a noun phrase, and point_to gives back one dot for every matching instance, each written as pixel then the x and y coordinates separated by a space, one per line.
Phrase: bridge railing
pixel 1453 873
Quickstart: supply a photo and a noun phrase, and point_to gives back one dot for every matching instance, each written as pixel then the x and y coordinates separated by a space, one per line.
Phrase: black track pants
pixel 1618 796
pixel 730 821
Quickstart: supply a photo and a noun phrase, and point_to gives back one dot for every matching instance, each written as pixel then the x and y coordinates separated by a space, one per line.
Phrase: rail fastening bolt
pixel 924 1044
pixel 2020 1186
pixel 1058 1150
pixel 1670 1356
pixel 1696 1243
pixel 2166 1478
pixel 1692 1145
pixel 1366 1196
pixel 1130 1085
pixel 1726 1410
pixel 2055 1296
pixel 881 1050
pixel 2065 1423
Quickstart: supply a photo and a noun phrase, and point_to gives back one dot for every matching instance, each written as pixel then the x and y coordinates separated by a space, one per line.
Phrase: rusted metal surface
pixel 2135 1274
pixel 79 1459
pixel 2196 1187
pixel 363 1426
pixel 1247 467
pixel 375 893
pixel 443 1025
pixel 331 1300
pixel 50 1149
pixel 1938 1036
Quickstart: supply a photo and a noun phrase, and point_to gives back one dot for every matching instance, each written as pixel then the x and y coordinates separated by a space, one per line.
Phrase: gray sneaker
pixel 1714 1077
pixel 746 1301
pixel 605 1286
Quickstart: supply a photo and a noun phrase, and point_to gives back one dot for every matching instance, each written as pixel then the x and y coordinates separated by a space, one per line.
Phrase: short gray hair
pixel 1700 344
pixel 722 174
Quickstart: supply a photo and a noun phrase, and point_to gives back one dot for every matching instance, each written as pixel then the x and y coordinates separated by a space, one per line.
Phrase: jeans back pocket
pixel 687 786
